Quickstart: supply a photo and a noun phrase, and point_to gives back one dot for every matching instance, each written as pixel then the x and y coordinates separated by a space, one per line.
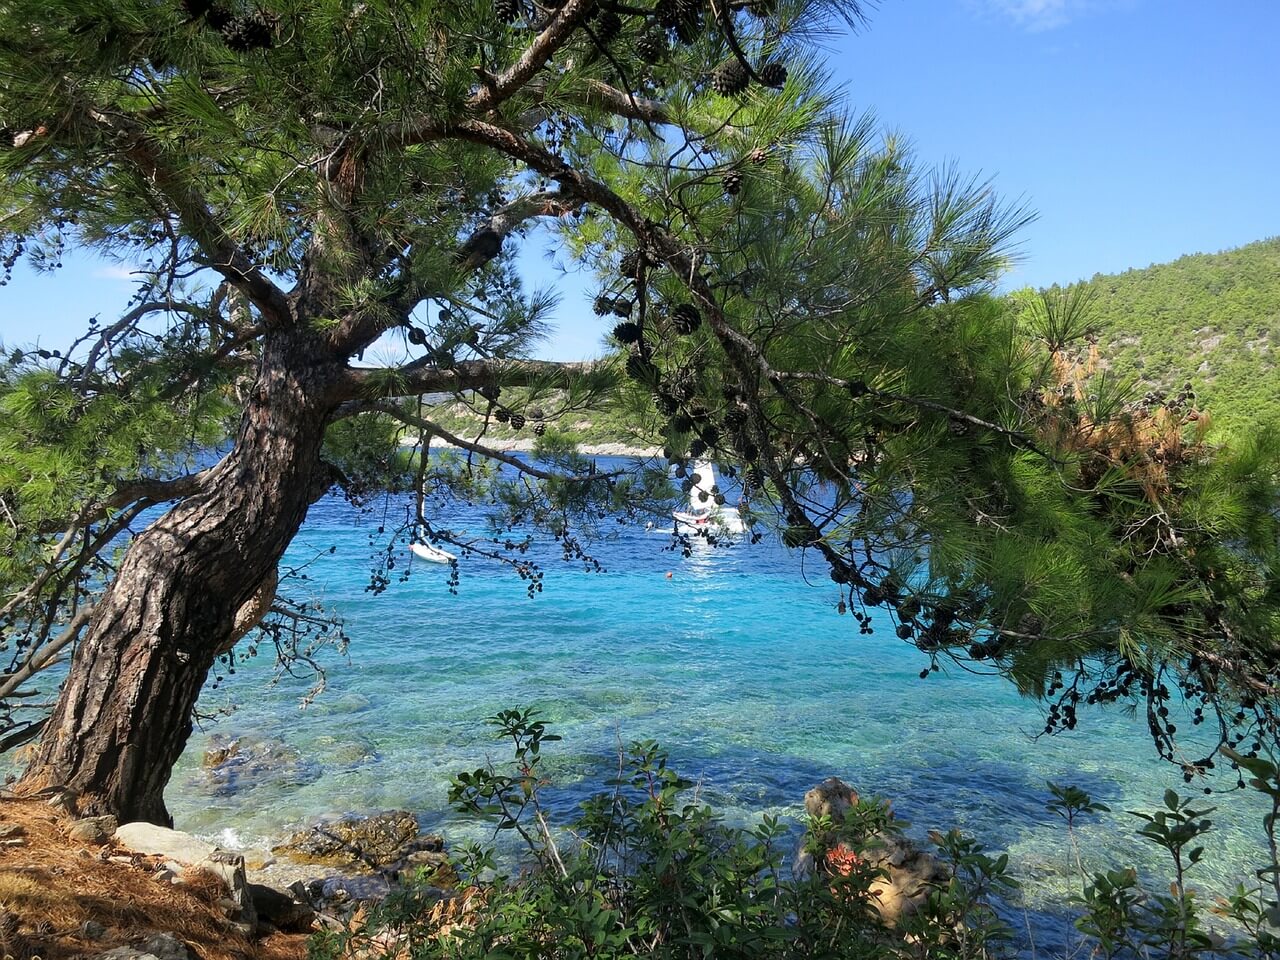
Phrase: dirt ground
pixel 51 887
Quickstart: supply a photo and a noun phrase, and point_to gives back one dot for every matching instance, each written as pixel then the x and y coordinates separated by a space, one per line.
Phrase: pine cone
pixel 602 305
pixel 197 8
pixel 730 78
pixel 628 332
pixel 697 447
pixel 507 11
pixel 758 156
pixel 608 26
pixel 252 32
pixel 501 415
pixel 773 74
pixel 517 421
pixel 218 18
pixel 682 16
pixel 732 182
pixel 686 318
pixel 651 47
pixel 622 307
pixel 539 429
pixel 629 266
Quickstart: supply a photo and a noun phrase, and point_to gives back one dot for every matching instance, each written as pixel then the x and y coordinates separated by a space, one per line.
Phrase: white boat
pixel 704 512
pixel 425 551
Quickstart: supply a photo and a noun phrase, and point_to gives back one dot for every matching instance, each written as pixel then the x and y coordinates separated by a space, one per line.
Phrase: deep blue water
pixel 738 663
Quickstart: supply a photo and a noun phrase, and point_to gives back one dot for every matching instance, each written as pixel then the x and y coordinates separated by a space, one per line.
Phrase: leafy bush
pixel 653 872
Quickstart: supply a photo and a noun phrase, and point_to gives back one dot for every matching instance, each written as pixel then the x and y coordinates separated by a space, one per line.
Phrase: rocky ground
pixel 68 889
pixel 91 888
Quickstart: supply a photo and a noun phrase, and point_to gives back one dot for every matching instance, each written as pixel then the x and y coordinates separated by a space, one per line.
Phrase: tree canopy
pixel 790 294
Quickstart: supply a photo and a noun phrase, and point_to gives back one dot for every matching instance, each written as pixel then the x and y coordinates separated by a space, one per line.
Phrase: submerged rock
pixel 376 841
pixel 234 765
pixel 350 751
pixel 909 873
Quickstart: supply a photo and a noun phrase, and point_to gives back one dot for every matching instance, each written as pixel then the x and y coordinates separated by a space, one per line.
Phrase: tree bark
pixel 123 716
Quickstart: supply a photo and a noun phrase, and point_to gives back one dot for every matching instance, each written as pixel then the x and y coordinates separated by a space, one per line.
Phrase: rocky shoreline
pixel 327 876
pixel 527 444
pixel 313 880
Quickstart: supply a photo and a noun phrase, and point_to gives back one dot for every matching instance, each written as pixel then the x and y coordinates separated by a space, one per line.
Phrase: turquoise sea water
pixel 738 663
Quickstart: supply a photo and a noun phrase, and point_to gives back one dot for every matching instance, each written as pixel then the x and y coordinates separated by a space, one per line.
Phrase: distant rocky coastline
pixel 526 445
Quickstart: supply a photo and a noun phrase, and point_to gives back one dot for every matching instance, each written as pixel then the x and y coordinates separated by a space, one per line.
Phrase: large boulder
pixel 229 868
pixel 908 873
pixel 374 842
pixel 162 842
pixel 186 857
pixel 831 798
pixel 283 910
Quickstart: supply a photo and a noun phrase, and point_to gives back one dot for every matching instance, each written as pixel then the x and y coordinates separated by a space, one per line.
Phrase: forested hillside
pixel 1211 319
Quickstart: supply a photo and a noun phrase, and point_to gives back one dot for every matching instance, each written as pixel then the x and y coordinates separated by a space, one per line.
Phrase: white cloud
pixel 114 273
pixel 1040 14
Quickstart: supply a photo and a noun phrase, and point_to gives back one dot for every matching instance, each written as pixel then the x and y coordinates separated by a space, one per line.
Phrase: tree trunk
pixel 124 713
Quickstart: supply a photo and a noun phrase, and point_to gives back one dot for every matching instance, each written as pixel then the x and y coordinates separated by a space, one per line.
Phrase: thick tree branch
pixel 557 32
pixel 158 491
pixel 218 248
pixel 482 246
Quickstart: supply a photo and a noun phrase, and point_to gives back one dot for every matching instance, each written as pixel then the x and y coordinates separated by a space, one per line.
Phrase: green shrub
pixel 653 872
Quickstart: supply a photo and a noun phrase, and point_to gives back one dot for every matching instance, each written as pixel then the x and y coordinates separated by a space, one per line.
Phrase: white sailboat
pixel 704 512
pixel 425 551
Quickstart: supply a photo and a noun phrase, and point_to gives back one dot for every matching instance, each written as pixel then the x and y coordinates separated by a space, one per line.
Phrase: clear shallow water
pixel 738 664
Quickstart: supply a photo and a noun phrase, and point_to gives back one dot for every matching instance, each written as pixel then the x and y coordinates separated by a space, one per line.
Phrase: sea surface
pixel 736 660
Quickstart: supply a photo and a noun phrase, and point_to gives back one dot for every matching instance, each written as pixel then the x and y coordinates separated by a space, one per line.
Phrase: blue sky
pixel 1138 130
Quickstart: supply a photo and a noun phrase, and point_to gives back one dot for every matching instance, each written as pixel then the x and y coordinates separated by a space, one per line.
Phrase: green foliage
pixel 67 452
pixel 366 451
pixel 652 871
pixel 1125 917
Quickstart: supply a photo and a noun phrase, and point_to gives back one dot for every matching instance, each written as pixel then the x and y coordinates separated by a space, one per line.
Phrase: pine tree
pixel 303 182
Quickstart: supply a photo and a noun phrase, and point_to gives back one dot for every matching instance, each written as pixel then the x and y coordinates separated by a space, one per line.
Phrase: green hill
pixel 1211 319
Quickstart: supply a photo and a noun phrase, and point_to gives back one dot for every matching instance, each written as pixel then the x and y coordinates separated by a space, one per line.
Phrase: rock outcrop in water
pixel 909 872
pixel 376 842
pixel 234 765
